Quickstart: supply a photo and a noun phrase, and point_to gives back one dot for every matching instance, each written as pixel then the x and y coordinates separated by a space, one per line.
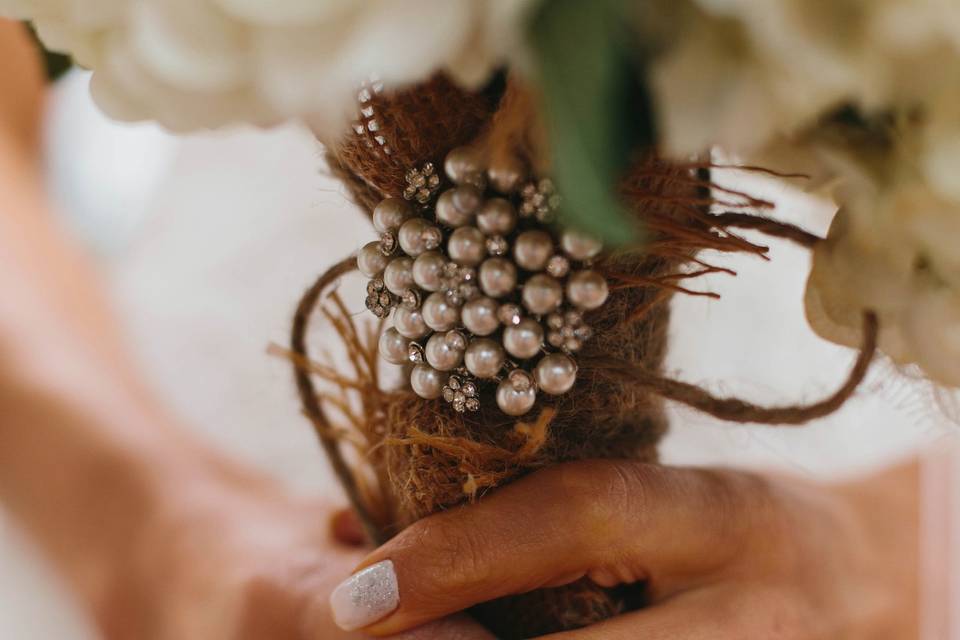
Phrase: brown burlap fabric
pixel 436 458
pixel 425 456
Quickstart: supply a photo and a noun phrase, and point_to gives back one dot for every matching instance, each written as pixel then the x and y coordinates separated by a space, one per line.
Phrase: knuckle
pixel 607 496
pixel 725 504
pixel 450 554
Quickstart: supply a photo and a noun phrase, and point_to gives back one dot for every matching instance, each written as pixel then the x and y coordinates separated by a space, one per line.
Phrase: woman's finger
pixel 21 86
pixel 615 521
pixel 346 528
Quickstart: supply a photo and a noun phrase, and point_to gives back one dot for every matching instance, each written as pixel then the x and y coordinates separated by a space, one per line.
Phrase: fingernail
pixel 365 597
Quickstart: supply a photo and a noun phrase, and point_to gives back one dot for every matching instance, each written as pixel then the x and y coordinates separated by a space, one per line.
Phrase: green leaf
pixel 596 109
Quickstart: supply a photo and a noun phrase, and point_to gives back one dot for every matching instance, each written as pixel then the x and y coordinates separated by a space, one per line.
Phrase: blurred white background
pixel 207 242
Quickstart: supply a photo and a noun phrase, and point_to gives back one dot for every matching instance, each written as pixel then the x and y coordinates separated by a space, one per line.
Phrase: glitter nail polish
pixel 365 597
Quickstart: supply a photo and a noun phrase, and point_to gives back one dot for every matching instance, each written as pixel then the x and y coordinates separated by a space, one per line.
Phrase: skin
pixel 159 536
pixel 723 554
pixel 165 539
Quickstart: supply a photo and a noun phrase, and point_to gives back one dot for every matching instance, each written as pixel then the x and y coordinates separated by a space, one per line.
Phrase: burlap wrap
pixel 435 458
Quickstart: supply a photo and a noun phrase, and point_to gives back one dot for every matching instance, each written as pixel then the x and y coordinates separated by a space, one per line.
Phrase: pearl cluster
pixel 480 287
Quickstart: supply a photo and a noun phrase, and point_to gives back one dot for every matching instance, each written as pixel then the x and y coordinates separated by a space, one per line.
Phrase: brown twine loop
pixel 768 226
pixel 691 395
pixel 742 411
pixel 310 400
pixel 429 458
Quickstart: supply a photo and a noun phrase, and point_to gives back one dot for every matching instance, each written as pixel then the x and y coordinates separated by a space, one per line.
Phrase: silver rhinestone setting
pixel 518 298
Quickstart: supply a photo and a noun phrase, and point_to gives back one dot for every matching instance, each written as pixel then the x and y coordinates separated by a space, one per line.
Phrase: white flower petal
pixel 932 329
pixel 190 45
pixel 293 13
pixel 203 63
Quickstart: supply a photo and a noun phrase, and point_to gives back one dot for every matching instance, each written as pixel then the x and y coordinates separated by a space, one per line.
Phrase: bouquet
pixel 540 180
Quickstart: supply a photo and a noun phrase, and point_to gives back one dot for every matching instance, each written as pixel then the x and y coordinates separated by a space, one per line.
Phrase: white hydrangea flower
pixel 193 64
pixel 742 72
pixel 893 248
pixel 758 77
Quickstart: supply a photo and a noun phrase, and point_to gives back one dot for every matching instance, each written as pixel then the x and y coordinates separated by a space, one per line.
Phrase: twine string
pixel 310 399
pixel 742 411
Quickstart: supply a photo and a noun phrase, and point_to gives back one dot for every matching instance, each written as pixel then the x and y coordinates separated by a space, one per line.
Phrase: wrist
pixel 885 543
pixel 85 468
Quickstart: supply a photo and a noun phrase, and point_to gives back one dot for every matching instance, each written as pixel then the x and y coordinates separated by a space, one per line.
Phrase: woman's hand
pixel 229 555
pixel 161 538
pixel 723 554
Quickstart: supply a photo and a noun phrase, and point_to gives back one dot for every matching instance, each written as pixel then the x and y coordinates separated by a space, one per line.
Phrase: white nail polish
pixel 365 597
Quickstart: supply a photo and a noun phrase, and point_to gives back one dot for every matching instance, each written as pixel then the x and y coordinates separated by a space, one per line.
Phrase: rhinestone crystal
pixel 422 183
pixel 484 294
pixel 510 314
pixel 379 301
pixel 415 353
pixel 539 200
pixel 567 331
pixel 388 243
pixel 461 393
pixel 558 266
pixel 497 246
pixel 410 299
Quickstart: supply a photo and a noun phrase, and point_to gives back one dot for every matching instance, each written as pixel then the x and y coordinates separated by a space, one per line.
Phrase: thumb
pixel 616 521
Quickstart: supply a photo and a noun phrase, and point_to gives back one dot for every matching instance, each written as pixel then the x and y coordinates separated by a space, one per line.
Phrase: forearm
pixel 84 450
pixel 84 476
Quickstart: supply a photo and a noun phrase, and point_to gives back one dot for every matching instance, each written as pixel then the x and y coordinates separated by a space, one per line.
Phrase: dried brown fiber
pixel 421 455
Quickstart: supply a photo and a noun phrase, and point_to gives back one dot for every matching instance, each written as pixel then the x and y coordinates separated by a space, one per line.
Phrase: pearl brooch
pixel 486 298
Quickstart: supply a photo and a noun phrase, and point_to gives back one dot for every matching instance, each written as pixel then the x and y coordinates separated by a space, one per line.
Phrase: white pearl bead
pixel 428 270
pixel 457 207
pixel 443 353
pixel 398 276
pixel 580 246
pixel 439 314
pixel 506 174
pixel 555 374
pixel 467 246
pixel 542 294
pixel 513 401
pixel 484 358
pixel 533 249
pixel 393 346
pixel 417 235
pixel 410 323
pixel 523 340
pixel 480 316
pixel 427 382
pixel 498 277
pixel 497 217
pixel 587 290
pixel 370 260
pixel 464 165
pixel 390 214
